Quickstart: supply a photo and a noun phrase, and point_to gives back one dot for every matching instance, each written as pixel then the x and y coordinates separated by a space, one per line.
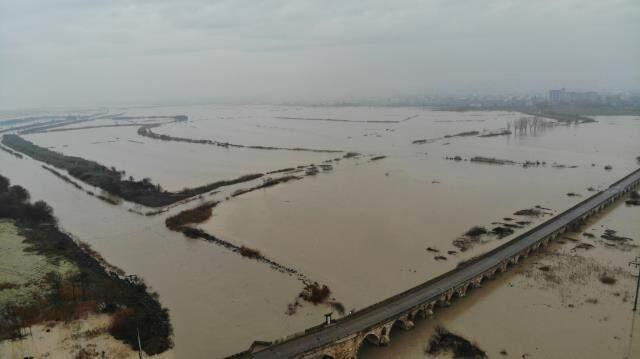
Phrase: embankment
pixel 146 131
pixel 110 179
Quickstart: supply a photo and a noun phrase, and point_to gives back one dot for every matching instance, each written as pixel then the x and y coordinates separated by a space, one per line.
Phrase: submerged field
pixel 554 305
pixel 366 229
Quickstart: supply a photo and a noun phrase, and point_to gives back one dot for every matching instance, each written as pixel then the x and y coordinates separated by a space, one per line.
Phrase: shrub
pixel 122 322
pixel 194 215
pixel 502 232
pixel 4 184
pixel 4 286
pixel 315 293
pixel 338 307
pixel 18 193
pixel 528 212
pixel 39 212
pixel 134 306
pixel 445 341
pixel 607 279
pixel 476 231
pixel 249 252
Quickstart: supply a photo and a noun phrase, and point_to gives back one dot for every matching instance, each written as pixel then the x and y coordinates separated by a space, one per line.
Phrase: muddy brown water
pixel 523 313
pixel 362 229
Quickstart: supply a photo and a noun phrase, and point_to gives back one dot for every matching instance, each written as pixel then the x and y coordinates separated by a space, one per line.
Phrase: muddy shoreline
pixel 100 287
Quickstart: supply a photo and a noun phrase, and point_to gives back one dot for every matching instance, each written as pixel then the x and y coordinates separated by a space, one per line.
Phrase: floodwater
pixel 363 229
pixel 389 212
pixel 218 300
pixel 173 165
pixel 528 315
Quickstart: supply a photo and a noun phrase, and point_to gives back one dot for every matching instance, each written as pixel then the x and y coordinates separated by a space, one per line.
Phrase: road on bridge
pixel 432 290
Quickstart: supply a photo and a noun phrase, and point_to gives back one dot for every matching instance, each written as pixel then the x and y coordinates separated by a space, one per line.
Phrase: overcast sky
pixel 100 52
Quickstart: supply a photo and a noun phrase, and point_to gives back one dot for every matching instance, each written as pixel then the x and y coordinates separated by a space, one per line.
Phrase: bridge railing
pixel 485 255
pixel 465 264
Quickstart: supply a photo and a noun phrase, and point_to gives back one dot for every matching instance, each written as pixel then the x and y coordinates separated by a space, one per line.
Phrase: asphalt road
pixel 399 304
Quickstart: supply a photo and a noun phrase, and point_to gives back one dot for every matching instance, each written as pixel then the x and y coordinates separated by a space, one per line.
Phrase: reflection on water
pixel 362 229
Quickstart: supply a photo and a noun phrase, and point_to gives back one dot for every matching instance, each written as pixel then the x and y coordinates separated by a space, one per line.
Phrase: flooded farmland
pixel 367 229
pixel 319 180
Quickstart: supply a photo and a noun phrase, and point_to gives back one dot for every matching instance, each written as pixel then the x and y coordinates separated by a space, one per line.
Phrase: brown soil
pixel 4 286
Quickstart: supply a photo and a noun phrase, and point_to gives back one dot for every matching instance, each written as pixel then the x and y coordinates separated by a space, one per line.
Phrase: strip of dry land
pixel 146 131
pixel 112 180
pixel 70 281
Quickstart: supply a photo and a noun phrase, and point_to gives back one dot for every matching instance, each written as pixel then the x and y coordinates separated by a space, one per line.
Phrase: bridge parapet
pixel 535 239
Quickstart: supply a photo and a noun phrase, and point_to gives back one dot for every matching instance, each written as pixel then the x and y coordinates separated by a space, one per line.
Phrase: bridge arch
pixel 490 273
pixel 397 326
pixel 461 291
pixel 502 267
pixel 445 298
pixel 370 339
pixel 476 282
pixel 421 312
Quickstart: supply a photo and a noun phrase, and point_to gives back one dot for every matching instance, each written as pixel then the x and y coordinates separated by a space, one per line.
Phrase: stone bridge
pixel 342 338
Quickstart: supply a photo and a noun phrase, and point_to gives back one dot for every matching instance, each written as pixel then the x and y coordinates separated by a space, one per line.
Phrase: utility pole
pixel 140 345
pixel 636 263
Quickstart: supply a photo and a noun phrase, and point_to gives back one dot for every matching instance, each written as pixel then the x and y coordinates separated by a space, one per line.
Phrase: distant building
pixel 590 97
pixel 563 96
pixel 556 96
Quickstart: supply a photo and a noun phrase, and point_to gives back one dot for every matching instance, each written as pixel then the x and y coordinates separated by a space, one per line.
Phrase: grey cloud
pixel 72 52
